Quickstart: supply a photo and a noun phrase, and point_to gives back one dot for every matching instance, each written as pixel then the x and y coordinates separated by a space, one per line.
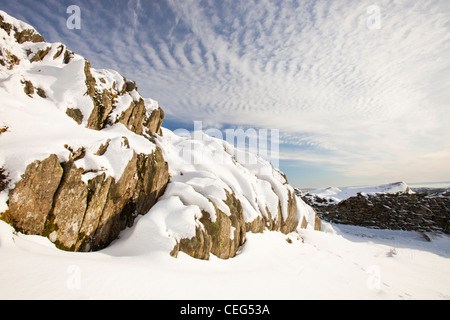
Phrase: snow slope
pixel 344 263
pixel 336 195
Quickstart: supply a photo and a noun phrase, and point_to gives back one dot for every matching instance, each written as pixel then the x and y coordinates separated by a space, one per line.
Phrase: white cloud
pixel 379 95
pixel 313 69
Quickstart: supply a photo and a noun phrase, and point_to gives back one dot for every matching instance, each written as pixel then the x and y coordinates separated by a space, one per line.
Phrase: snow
pixel 38 127
pixel 339 262
pixel 174 218
pixel 15 22
pixel 209 166
pixel 205 169
pixel 336 195
pixel 346 262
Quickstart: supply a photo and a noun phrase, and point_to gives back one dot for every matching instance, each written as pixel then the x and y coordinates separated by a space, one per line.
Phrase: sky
pixel 358 90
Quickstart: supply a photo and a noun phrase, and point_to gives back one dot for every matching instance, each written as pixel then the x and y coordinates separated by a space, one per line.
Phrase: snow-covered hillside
pixel 336 195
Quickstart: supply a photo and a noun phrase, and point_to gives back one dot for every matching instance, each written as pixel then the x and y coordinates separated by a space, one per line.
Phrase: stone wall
pixel 418 212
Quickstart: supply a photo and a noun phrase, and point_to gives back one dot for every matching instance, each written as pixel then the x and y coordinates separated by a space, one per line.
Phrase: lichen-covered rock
pixel 136 117
pixel 141 184
pixel 52 200
pixel 291 223
pixel 133 118
pixel 197 247
pixel 137 120
pixel 75 114
pixel 274 221
pixel 69 207
pixel 155 121
pixel 28 88
pixel 31 202
pixel 101 99
pixel 28 35
pixel 220 234
pixel 40 55
pixel 10 60
pixel 225 234
pixel 97 196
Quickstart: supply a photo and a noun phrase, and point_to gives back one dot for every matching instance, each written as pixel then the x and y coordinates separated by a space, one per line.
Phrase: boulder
pixel 53 201
pixel 31 201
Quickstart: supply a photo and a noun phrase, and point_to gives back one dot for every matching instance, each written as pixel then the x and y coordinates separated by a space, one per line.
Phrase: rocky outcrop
pixel 21 35
pixel 273 221
pixel 115 205
pixel 88 185
pixel 31 202
pixel 101 99
pixel 155 121
pixel 401 211
pixel 224 235
pixel 28 35
pixel 198 247
pixel 52 200
pixel 135 118
pixel 54 197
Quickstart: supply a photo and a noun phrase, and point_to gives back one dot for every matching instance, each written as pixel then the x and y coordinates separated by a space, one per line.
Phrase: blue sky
pixel 359 98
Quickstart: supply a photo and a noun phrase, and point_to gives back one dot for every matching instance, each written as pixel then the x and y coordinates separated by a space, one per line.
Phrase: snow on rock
pixel 38 122
pixel 234 197
pixel 85 154
pixel 79 167
pixel 77 186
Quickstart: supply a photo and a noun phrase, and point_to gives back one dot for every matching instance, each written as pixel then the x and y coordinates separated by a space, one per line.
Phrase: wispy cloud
pixel 341 93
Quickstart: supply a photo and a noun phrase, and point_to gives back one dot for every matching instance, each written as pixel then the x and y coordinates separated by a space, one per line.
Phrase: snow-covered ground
pixel 343 262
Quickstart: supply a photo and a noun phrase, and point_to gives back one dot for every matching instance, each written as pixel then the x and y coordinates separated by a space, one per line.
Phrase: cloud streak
pixel 340 92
